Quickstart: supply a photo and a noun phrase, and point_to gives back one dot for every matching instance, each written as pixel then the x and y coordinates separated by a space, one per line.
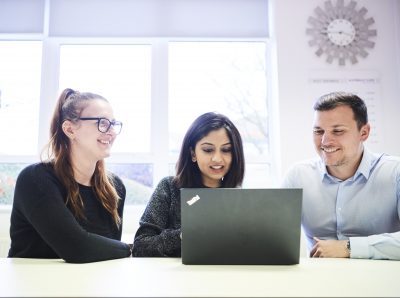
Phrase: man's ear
pixel 365 132
pixel 68 129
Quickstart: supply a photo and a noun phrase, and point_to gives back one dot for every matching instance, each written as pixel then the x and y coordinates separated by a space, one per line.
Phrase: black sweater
pixel 42 226
pixel 160 224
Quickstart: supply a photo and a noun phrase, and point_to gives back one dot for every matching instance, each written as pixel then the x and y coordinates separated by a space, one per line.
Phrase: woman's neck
pixel 83 170
pixel 211 183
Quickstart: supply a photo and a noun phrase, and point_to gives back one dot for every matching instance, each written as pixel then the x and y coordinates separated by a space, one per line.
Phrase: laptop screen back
pixel 241 226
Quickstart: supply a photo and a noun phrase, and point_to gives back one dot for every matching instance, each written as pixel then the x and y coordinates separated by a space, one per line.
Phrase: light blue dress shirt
pixel 364 208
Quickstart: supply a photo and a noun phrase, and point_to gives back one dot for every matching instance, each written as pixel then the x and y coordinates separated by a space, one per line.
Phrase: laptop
pixel 233 226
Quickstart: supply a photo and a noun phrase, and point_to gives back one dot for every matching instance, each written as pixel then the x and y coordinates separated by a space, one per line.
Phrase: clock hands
pixel 337 32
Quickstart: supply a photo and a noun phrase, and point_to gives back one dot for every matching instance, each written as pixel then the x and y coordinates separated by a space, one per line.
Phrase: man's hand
pixel 329 249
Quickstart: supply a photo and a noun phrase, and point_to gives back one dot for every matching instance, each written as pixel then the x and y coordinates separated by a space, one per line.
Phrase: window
pixel 20 77
pixel 120 73
pixel 8 177
pixel 227 77
pixel 20 74
pixel 148 83
pixel 157 88
pixel 155 83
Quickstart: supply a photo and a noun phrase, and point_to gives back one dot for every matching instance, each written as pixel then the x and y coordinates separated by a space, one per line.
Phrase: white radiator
pixel 4 247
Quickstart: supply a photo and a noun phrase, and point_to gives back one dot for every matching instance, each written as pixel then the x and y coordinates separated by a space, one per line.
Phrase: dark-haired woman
pixel 211 156
pixel 68 206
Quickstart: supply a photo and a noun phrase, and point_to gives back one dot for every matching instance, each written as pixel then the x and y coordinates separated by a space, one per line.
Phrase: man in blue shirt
pixel 351 196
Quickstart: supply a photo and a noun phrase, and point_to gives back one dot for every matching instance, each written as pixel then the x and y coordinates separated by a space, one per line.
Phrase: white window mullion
pixel 159 109
pixel 48 88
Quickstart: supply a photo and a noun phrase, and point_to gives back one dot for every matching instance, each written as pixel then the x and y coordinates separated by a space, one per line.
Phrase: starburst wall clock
pixel 341 32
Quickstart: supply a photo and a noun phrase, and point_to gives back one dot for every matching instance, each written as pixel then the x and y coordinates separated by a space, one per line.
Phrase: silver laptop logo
pixel 193 200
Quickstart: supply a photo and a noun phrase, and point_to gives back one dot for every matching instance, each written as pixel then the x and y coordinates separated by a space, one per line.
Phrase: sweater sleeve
pixel 39 198
pixel 157 236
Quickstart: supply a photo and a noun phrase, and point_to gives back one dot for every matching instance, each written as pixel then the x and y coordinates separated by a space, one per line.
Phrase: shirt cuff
pixel 359 248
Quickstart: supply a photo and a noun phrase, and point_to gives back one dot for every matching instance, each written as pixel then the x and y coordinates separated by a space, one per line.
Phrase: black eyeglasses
pixel 104 125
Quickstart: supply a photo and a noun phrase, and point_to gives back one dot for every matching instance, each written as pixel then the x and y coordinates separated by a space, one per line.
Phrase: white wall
pixel 296 60
pixel 149 18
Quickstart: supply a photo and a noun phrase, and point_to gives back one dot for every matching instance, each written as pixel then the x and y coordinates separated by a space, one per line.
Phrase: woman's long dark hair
pixel 188 173
pixel 69 107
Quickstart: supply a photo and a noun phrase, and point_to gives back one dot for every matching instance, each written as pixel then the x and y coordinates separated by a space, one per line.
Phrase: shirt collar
pixel 325 176
pixel 365 166
pixel 368 161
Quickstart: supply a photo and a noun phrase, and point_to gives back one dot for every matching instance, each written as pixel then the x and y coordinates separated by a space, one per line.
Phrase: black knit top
pixel 42 226
pixel 160 225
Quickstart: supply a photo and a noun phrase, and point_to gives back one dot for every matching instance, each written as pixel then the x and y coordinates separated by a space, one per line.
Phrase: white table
pixel 168 277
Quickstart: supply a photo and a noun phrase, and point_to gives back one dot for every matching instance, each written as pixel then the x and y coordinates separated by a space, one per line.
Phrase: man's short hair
pixel 333 100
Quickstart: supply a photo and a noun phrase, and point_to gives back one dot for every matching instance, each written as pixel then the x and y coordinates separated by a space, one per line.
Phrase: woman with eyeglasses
pixel 69 206
pixel 211 156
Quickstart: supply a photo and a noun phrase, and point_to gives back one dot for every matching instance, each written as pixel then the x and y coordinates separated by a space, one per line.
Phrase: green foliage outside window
pixel 8 176
pixel 137 180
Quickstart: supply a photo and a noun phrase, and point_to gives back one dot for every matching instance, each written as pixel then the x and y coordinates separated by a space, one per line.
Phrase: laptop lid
pixel 233 226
